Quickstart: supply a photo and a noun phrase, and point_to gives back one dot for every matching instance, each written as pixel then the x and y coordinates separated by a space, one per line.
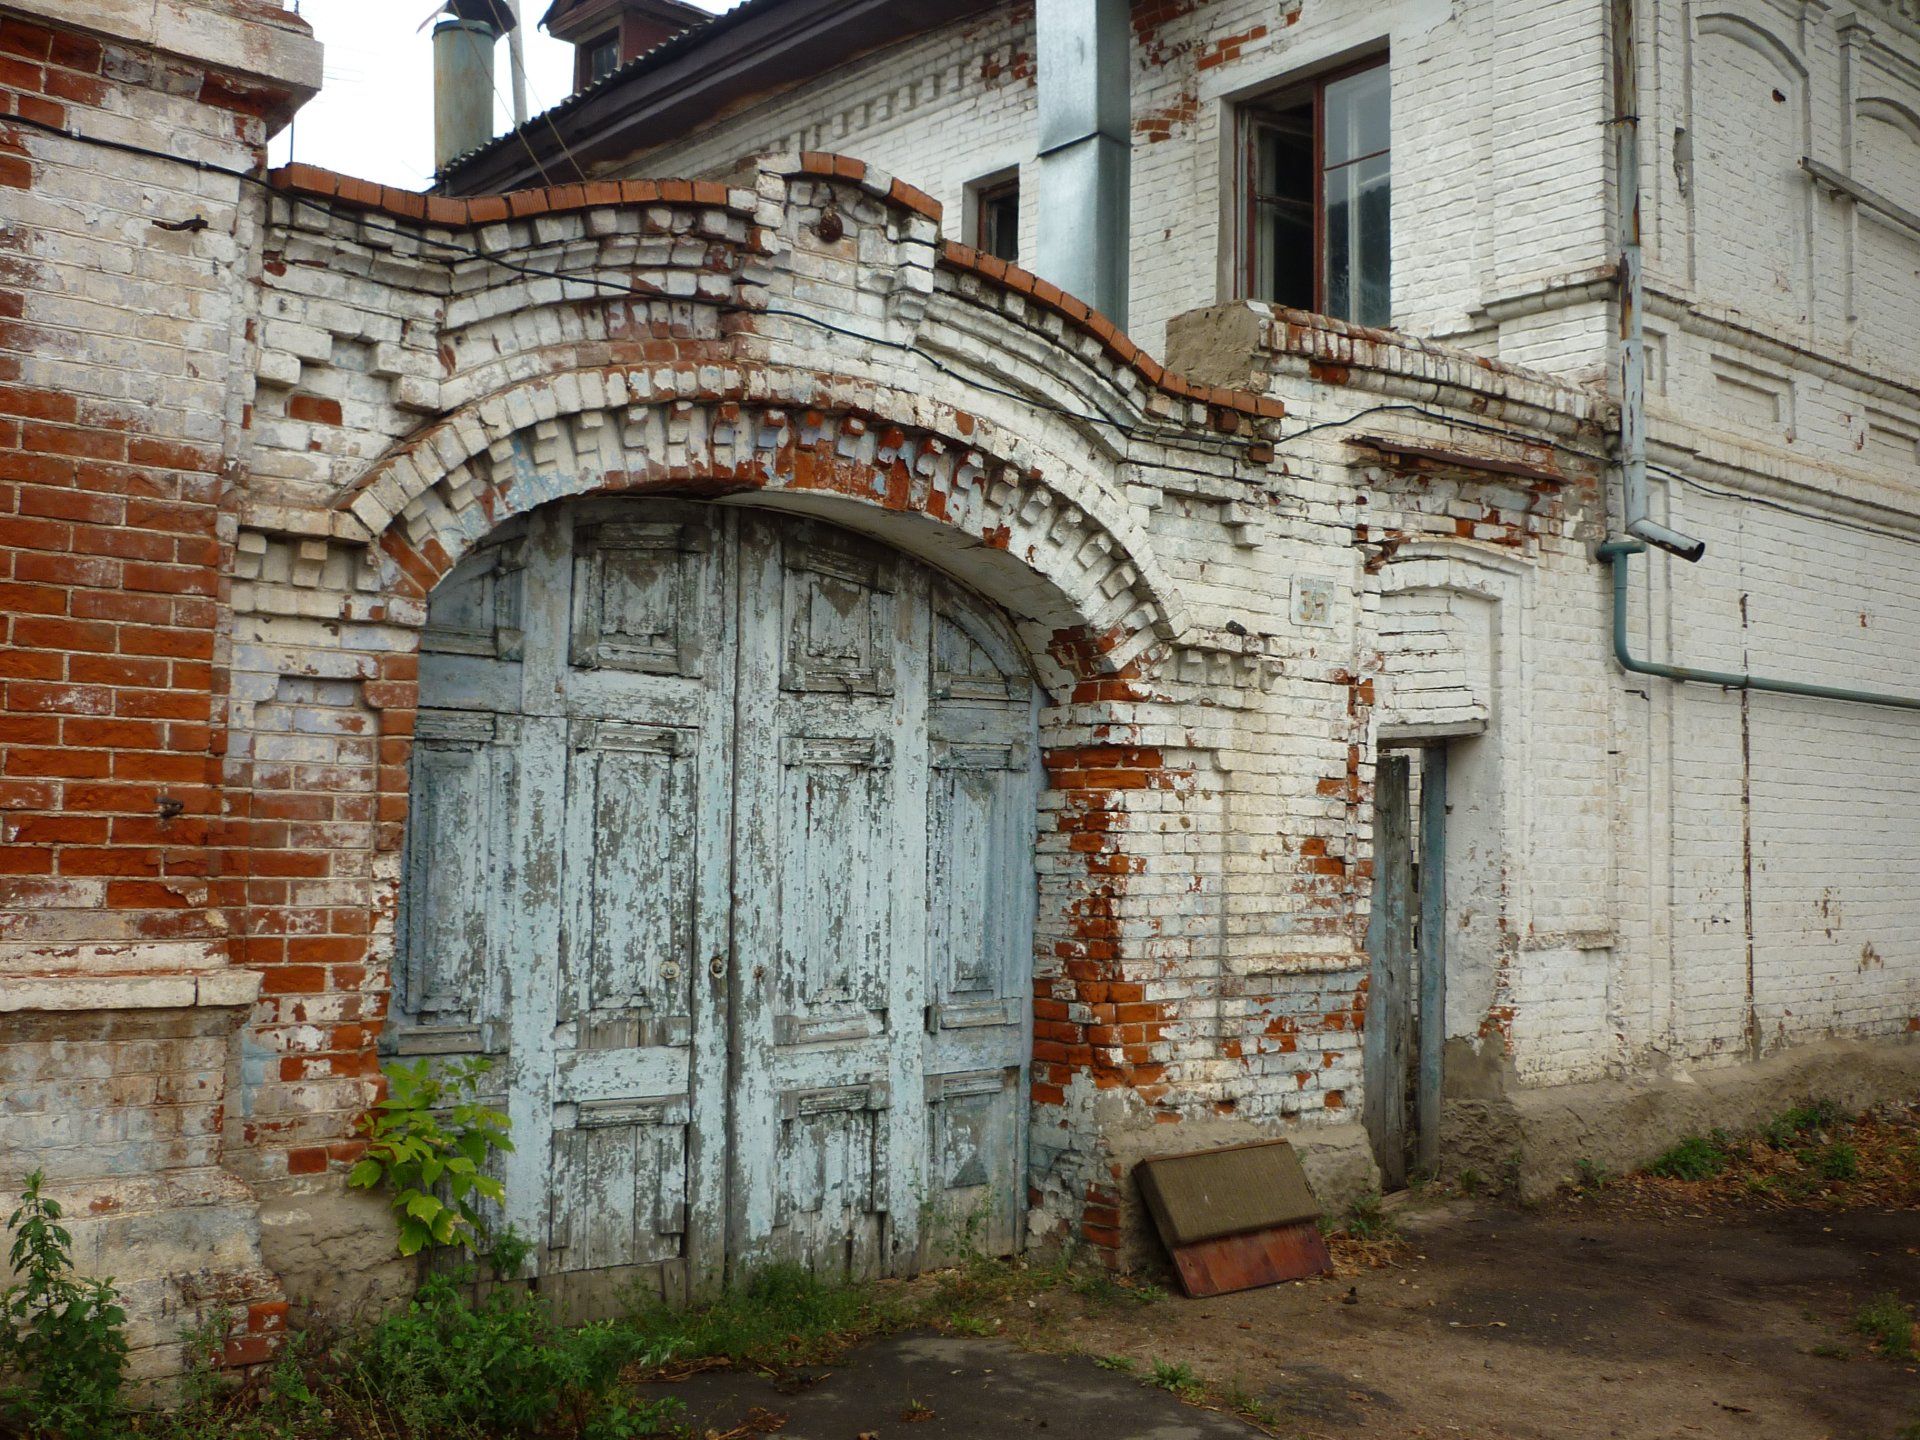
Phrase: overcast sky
pixel 374 117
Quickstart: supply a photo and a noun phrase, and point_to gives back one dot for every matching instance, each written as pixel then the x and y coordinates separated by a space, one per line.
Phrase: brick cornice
pixel 1084 318
pixel 1228 409
pixel 332 188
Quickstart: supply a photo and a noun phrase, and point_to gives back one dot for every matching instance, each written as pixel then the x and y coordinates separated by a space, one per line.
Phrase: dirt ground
pixel 1580 1321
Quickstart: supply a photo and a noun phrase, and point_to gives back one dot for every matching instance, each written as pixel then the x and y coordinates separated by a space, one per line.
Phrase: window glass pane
pixel 996 224
pixel 1358 238
pixel 1358 116
pixel 603 58
pixel 1281 162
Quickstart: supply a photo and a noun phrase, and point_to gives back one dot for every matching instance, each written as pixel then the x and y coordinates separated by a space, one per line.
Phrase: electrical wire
pixel 518 62
pixel 1767 503
pixel 520 129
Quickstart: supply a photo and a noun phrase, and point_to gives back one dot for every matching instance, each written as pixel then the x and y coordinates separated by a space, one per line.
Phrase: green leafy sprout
pixel 428 1144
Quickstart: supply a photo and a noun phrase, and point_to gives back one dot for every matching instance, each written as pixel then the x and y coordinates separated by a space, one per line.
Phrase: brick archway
pixel 1047 541
pixel 1050 540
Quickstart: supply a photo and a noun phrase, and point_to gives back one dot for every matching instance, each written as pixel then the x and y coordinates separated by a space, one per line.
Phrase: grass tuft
pixel 1367 1219
pixel 1790 1127
pixel 782 1316
pixel 1176 1378
pixel 1889 1325
pixel 1698 1157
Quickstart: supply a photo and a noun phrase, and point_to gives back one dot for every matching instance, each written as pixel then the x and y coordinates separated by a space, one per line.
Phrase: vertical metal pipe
pixel 1633 342
pixel 1086 149
pixel 517 60
pixel 1433 954
pixel 462 87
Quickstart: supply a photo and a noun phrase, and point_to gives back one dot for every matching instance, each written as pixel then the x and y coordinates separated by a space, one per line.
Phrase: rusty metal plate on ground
pixel 1246 1262
pixel 1230 1191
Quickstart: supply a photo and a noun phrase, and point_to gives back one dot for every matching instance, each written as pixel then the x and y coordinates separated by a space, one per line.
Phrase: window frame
pixel 584 76
pixel 1248 111
pixel 981 194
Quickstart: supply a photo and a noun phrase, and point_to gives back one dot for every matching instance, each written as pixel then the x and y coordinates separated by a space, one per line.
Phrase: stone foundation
pixel 1531 1141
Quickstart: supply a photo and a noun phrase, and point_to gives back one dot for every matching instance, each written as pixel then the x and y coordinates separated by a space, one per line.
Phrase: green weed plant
pixel 428 1144
pixel 63 1344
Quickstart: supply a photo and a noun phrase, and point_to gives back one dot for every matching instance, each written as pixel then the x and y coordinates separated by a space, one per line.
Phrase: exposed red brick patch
pixel 1162 122
pixel 1227 48
pixel 1150 18
pixel 314 408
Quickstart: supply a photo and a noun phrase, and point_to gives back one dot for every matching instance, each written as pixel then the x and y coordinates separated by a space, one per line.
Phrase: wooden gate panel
pixel 834 1193
pixel 975 1132
pixel 447 990
pixel 742 820
pixel 837 908
pixel 620 1193
pixel 632 821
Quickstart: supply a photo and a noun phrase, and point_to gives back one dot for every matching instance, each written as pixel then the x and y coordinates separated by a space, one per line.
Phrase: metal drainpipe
pixel 1086 149
pixel 1633 344
pixel 1633 428
pixel 1616 552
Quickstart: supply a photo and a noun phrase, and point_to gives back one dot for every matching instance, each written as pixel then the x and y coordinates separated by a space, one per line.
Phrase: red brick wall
pixel 115 336
pixel 124 289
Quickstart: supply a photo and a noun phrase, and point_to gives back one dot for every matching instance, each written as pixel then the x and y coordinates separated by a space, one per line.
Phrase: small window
pixel 601 58
pixel 1317 187
pixel 996 219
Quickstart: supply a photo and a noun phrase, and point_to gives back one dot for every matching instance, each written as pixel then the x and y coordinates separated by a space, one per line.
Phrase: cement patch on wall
pixel 334 1252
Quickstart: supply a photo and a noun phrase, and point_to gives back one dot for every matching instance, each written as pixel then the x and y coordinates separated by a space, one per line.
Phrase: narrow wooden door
pixel 982 798
pixel 1388 1046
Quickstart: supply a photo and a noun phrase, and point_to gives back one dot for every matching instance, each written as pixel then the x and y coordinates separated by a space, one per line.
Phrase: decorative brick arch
pixel 1049 542
pixel 1026 500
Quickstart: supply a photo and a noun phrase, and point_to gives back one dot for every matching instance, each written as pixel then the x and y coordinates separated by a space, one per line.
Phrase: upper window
pixel 996 219
pixel 1317 175
pixel 600 58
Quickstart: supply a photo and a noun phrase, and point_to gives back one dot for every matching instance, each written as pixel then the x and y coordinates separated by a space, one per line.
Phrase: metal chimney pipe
pixel 1086 149
pixel 462 87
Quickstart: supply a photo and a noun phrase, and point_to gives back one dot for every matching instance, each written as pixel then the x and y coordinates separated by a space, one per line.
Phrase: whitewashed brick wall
pixel 1785 369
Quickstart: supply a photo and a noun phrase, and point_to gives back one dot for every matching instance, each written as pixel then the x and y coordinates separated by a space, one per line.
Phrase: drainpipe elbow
pixel 1671 541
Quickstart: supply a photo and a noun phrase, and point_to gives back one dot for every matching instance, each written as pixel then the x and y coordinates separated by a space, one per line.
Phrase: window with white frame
pixel 1315 196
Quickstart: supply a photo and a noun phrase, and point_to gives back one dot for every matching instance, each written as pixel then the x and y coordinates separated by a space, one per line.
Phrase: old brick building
pixel 862 739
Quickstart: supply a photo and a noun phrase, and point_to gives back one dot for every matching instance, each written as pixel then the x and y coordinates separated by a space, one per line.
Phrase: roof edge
pixel 685 80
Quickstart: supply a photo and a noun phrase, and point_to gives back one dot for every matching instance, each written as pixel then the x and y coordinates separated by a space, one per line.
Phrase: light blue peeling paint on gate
pixel 757 854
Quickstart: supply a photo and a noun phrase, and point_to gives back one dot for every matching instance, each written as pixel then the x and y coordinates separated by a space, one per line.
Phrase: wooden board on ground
pixel 1235 1218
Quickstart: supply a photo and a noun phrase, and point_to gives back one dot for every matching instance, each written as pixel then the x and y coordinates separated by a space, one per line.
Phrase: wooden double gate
pixel 722 846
